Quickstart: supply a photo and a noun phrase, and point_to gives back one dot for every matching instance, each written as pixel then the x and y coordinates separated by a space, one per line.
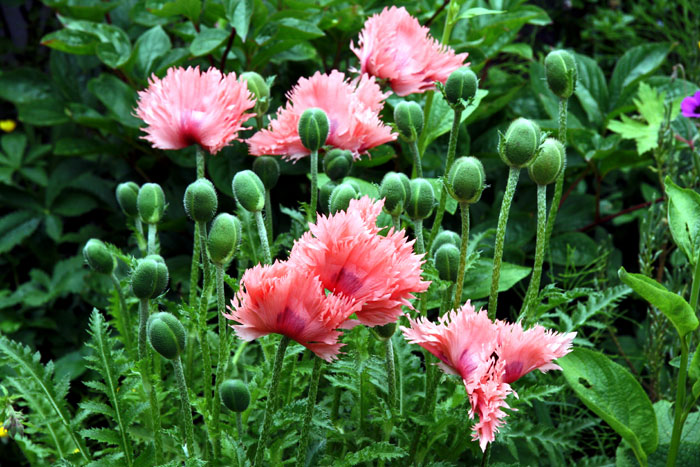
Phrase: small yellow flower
pixel 76 451
pixel 8 126
pixel 3 432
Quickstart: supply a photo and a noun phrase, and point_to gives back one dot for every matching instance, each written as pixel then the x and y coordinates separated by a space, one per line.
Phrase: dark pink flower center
pixel 514 370
pixel 347 282
pixel 289 323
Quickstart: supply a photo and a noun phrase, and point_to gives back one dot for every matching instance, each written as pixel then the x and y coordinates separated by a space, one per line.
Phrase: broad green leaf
pixel 637 63
pixel 297 29
pixel 76 146
pixel 117 96
pixel 207 40
pixel 238 13
pixel 441 116
pixel 582 247
pixel 13 145
pixel 73 204
pixel 520 49
pixel 150 46
pixel 71 41
pixel 190 9
pixel 672 305
pixel 683 218
pixel 613 394
pixel 15 227
pixel 23 85
pixel 591 89
pixel 114 47
pixel 477 283
pixel 46 112
pixel 472 12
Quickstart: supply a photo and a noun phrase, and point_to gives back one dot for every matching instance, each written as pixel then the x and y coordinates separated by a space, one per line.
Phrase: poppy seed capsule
pixel 466 179
pixel 200 200
pixel 548 163
pixel 520 144
pixel 461 85
pixel 268 169
pixel 395 189
pixel 249 190
pixel 150 277
pixel 224 237
pixel 313 128
pixel 421 199
pixel 340 197
pixel 324 195
pixel 445 237
pixel 127 193
pixel 447 262
pixel 166 335
pixel 151 203
pixel 98 256
pixel 235 395
pixel 337 163
pixel 560 70
pixel 408 117
pixel 385 331
pixel 260 90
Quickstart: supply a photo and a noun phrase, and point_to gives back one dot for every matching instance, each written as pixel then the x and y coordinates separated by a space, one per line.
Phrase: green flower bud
pixel 98 256
pixel 260 90
pixel 150 277
pixel 548 163
pixel 461 85
pixel 395 189
pixel 561 73
pixel 313 128
pixel 224 237
pixel 447 262
pixel 465 182
pixel 520 144
pixel 268 169
pixel 408 117
pixel 337 163
pixel 127 193
pixel 166 335
pixel 151 203
pixel 385 331
pixel 234 395
pixel 421 199
pixel 443 238
pixel 249 190
pixel 324 195
pixel 341 196
pixel 200 200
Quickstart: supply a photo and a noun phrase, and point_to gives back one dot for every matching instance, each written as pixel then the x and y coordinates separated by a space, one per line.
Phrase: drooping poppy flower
pixel 352 108
pixel 284 299
pixel 350 258
pixel 190 107
pixel 394 46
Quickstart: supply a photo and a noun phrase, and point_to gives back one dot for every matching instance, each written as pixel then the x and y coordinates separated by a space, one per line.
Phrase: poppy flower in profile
pixel 191 107
pixel 394 46
pixel 352 108
pixel 690 106
pixel 283 299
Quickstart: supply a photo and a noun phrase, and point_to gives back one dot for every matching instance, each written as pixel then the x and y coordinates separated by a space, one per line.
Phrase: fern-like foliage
pixel 378 451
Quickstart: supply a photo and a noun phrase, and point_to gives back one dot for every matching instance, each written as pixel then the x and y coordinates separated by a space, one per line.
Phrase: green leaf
pixel 683 218
pixel 13 145
pixel 477 283
pixel 238 13
pixel 582 247
pixel 73 204
pixel 117 96
pixel 442 116
pixel 114 47
pixel 46 112
pixel 376 451
pixel 520 49
pixel 473 12
pixel 15 227
pixel 207 40
pixel 694 372
pixel 71 41
pixel 672 305
pixel 23 85
pixel 149 47
pixel 636 64
pixel 591 89
pixel 613 394
pixel 190 9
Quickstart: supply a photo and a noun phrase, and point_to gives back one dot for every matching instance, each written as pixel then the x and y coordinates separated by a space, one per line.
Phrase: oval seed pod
pixel 548 163
pixel 408 117
pixel 521 142
pixel 561 73
pixel 150 277
pixel 166 335
pixel 151 203
pixel 260 90
pixel 447 262
pixel 313 128
pixel 324 195
pixel 462 84
pixel 341 196
pixel 234 395
pixel 466 180
pixel 98 256
pixel 395 189
pixel 200 200
pixel 421 199
pixel 446 236
pixel 385 331
pixel 268 169
pixel 337 163
pixel 249 190
pixel 127 194
pixel 224 237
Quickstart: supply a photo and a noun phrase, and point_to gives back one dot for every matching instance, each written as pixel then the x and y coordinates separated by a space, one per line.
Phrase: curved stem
pixel 391 374
pixel 418 230
pixel 220 361
pixel 534 287
pixel 464 209
pixel 314 186
pixel 139 236
pixel 194 269
pixel 680 402
pixel 310 405
pixel 202 322
pixel 413 145
pixel 262 233
pixel 271 400
pixel 185 405
pixel 268 216
pixel 124 317
pixel 152 229
pixel 559 184
pixel 513 176
pixel 200 161
pixel 143 318
pixel 396 221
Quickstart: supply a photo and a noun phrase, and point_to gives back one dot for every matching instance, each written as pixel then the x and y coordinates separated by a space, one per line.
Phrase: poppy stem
pixel 534 287
pixel 262 233
pixel 220 361
pixel 124 316
pixel 416 158
pixel 464 210
pixel 152 229
pixel 314 185
pixel 186 407
pixel 268 216
pixel 418 230
pixel 310 405
pixel 559 184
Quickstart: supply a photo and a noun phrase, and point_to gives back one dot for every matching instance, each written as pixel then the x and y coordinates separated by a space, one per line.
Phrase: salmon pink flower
pixel 189 107
pixel 283 299
pixel 352 108
pixel 351 259
pixel 394 46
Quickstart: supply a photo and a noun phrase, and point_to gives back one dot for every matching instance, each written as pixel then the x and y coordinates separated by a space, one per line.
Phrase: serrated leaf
pixel 103 435
pixel 376 451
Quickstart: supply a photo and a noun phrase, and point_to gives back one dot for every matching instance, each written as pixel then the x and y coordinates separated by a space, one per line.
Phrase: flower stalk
pixel 310 405
pixel 262 233
pixel 185 406
pixel 534 287
pixel 559 184
pixel 464 211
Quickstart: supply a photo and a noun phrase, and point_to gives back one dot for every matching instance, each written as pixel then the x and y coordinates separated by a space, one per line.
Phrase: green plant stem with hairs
pixel 513 175
pixel 268 216
pixel 185 405
pixel 390 373
pixel 314 186
pixel 421 144
pixel 143 319
pixel 559 183
pixel 464 211
pixel 418 230
pixel 417 166
pixel 396 221
pixel 262 233
pixel 152 230
pixel 124 316
pixel 194 269
pixel 271 400
pixel 145 366
pixel 239 426
pixel 202 321
pixel 534 287
pixel 310 405
pixel 140 239
pixel 220 361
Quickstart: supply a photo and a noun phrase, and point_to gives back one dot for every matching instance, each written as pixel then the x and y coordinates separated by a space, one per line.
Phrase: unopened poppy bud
pixel 98 256
pixel 341 196
pixel 235 395
pixel 548 163
pixel 337 163
pixel 466 179
pixel 166 335
pixel 150 277
pixel 151 203
pixel 461 85
pixel 313 128
pixel 224 237
pixel 200 200
pixel 385 331
pixel 260 90
pixel 443 238
pixel 447 262
pixel 408 117
pixel 520 144
pixel 324 195
pixel 249 190
pixel 421 199
pixel 561 73
pixel 268 169
pixel 395 189
pixel 127 193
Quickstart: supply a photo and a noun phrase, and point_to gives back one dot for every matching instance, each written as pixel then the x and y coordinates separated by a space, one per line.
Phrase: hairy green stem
pixel 314 186
pixel 268 216
pixel 429 96
pixel 396 221
pixel 194 269
pixel 124 316
pixel 534 287
pixel 140 240
pixel 679 405
pixel 152 229
pixel 513 175
pixel 310 405
pixel 390 374
pixel 143 319
pixel 418 230
pixel 239 426
pixel 417 165
pixel 262 233
pixel 464 211
pixel 220 361
pixel 155 418
pixel 185 405
pixel 200 161
pixel 559 184
pixel 203 308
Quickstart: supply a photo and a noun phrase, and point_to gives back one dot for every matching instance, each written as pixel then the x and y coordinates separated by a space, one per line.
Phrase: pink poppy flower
pixel 394 46
pixel 350 258
pixel 283 299
pixel 352 107
pixel 189 107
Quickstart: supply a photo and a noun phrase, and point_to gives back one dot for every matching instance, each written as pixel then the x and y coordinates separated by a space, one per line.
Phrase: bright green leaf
pixel 71 41
pixel 15 227
pixel 442 116
pixel 472 12
pixel 207 41
pixel 117 96
pixel 238 13
pixel 683 218
pixel 477 283
pixel 150 46
pixel 637 63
